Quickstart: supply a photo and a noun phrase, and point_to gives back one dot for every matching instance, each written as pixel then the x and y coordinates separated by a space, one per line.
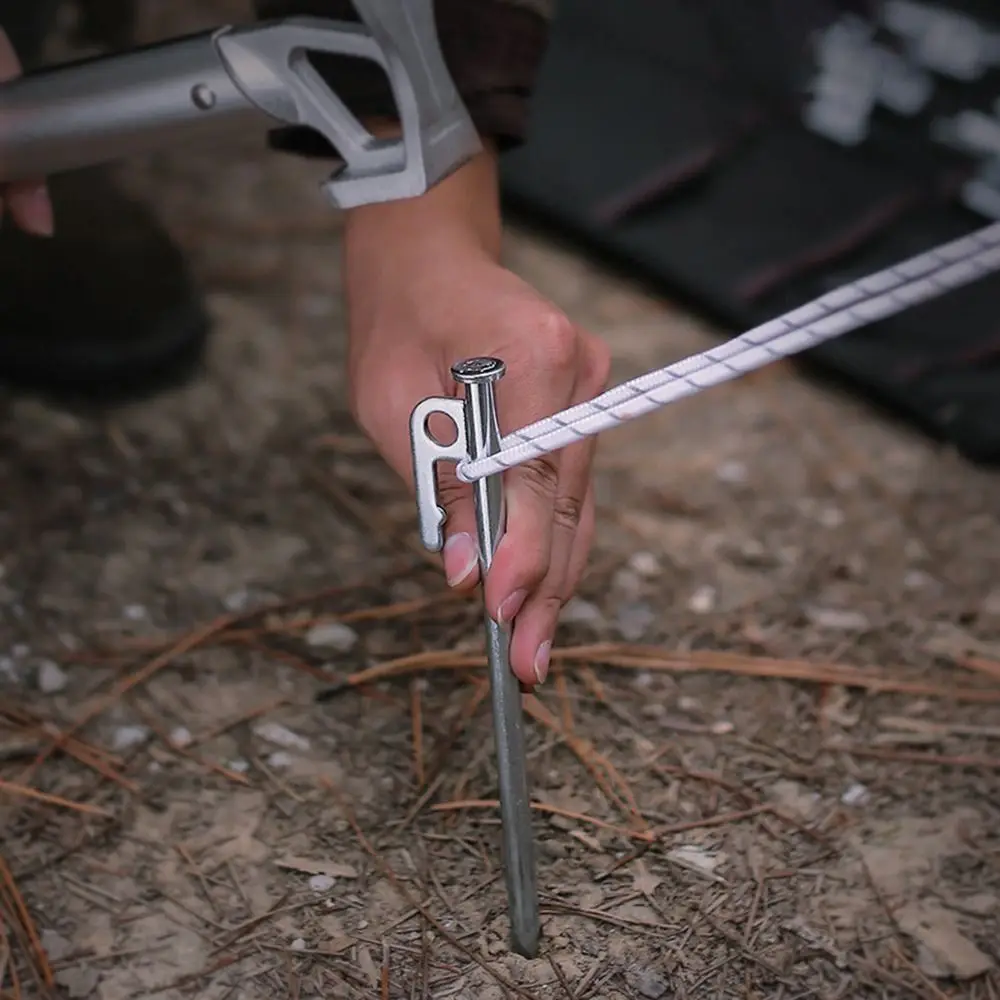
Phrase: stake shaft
pixel 479 376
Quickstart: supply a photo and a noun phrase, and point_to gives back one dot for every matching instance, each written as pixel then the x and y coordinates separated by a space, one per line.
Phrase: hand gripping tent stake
pixel 478 435
pixel 482 455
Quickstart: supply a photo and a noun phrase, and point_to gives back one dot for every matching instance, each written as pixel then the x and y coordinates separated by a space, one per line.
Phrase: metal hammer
pixel 98 110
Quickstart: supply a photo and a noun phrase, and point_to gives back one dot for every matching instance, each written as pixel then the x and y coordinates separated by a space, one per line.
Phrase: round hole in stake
pixel 441 429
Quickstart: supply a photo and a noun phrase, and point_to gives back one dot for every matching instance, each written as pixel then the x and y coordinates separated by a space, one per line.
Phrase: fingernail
pixel 37 208
pixel 38 212
pixel 541 664
pixel 460 558
pixel 510 607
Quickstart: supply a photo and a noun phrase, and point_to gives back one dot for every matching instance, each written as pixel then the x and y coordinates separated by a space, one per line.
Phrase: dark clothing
pixel 493 50
pixel 28 26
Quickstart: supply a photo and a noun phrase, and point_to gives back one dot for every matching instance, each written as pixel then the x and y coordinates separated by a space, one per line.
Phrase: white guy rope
pixel 847 308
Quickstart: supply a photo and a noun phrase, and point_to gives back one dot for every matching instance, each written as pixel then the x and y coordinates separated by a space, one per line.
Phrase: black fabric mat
pixel 668 135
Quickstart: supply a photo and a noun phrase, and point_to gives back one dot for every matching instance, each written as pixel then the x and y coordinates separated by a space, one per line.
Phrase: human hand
pixel 424 290
pixel 27 201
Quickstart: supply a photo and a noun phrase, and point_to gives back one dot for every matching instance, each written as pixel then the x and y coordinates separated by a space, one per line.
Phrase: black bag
pixel 670 135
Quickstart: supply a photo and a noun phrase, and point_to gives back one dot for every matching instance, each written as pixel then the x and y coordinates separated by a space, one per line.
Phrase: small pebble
pixel 280 759
pixel 181 737
pixel 696 857
pixel 838 619
pixel 831 517
pixel 298 944
pixel 129 737
pixel 646 565
pixel 982 904
pixel 135 612
pixel 237 601
pixel 703 600
pixel 321 883
pixel 78 981
pixel 751 552
pixel 721 728
pixel 917 579
pixel 51 678
pixel 856 795
pixel 55 945
pixel 9 671
pixel 318 306
pixel 407 590
pixel 239 765
pixel 651 985
pixel 991 603
pixel 580 612
pixel 281 736
pixel 633 620
pixel 332 635
pixel 731 472
pixel 628 583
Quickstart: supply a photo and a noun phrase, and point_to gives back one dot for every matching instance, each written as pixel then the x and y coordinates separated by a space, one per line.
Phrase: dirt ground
pixel 774 777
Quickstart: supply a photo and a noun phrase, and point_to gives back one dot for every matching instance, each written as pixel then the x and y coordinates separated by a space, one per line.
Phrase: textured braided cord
pixel 847 308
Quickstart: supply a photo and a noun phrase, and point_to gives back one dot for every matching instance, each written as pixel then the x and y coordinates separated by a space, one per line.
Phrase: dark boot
pixel 106 309
pixel 103 310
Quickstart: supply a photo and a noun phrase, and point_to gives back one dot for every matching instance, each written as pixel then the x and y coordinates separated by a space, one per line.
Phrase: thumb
pixel 29 202
pixel 10 65
pixel 460 552
pixel 461 544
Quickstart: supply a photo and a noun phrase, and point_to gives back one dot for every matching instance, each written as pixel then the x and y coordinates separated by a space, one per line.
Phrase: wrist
pixel 461 213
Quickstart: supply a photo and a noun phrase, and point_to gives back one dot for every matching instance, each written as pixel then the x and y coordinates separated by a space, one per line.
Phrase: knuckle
pixel 557 337
pixel 536 568
pixel 540 475
pixel 599 364
pixel 360 410
pixel 550 602
pixel 361 404
pixel 450 491
pixel 567 512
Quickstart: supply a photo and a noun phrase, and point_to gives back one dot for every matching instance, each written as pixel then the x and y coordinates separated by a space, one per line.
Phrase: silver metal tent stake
pixel 478 435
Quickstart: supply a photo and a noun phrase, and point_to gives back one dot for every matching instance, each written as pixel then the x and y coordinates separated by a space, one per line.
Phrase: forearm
pixel 387 244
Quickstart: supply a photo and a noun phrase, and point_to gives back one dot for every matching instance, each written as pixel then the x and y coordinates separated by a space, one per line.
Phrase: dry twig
pixel 25 791
pixel 650 658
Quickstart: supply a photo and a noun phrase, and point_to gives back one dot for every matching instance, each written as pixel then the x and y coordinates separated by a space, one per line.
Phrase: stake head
pixel 476 371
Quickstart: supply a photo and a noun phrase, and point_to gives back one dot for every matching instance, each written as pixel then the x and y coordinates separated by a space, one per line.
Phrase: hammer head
pixel 437 135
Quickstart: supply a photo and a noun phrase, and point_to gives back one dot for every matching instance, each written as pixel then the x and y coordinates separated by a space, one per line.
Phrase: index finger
pixel 28 199
pixel 541 379
pixel 10 65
